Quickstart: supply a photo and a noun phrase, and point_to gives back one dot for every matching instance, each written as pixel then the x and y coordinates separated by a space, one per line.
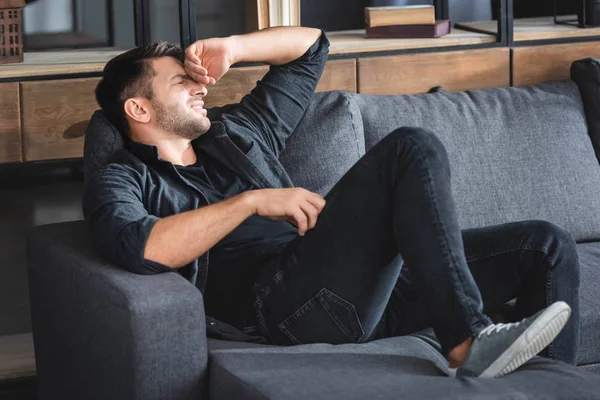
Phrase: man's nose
pixel 198 90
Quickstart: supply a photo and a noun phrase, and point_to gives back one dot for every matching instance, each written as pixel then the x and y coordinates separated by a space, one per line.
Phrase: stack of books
pixel 263 14
pixel 404 22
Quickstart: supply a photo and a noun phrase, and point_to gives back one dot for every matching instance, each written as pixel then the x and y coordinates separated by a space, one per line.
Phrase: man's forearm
pixel 179 239
pixel 278 45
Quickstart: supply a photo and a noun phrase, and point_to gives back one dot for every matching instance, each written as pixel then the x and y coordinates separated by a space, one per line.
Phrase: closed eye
pixel 182 79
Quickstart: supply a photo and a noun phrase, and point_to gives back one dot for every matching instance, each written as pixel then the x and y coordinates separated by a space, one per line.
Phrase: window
pixel 77 24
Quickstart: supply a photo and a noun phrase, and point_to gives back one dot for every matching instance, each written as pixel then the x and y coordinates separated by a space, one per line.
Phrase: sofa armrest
pixel 101 332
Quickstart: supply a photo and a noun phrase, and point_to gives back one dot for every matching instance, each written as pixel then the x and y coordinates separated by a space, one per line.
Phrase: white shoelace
pixel 496 328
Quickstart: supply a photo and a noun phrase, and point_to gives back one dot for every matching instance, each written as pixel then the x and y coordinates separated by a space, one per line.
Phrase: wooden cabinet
pixel 417 73
pixel 10 123
pixel 539 64
pixel 337 75
pixel 55 115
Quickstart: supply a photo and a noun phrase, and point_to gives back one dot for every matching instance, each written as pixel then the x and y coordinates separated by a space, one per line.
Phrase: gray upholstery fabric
pixel 326 143
pixel 589 298
pixel 515 153
pixel 103 333
pixel 593 368
pixel 392 368
pixel 101 144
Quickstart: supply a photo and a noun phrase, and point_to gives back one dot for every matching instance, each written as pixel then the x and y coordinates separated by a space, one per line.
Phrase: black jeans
pixel 387 258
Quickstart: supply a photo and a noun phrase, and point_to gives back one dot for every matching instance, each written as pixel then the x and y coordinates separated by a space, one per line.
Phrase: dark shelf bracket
pixel 141 12
pixel 187 22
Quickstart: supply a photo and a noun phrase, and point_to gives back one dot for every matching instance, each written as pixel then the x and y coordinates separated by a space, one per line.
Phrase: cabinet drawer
pixel 10 126
pixel 55 116
pixel 533 65
pixel 337 75
pixel 417 73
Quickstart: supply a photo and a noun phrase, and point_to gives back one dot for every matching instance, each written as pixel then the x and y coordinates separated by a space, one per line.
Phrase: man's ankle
pixel 458 355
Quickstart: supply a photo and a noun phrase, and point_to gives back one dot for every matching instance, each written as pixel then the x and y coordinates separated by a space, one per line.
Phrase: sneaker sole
pixel 543 331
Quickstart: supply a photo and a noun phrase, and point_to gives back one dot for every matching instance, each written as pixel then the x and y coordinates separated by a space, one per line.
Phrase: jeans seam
pixel 295 315
pixel 548 302
pixel 350 308
pixel 321 298
pixel 444 238
pixel 508 250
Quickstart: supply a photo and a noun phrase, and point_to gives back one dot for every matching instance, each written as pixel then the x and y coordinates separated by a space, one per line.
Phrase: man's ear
pixel 138 109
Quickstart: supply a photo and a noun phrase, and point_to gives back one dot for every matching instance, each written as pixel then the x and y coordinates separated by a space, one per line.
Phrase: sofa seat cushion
pixel 515 153
pixel 589 303
pixel 394 368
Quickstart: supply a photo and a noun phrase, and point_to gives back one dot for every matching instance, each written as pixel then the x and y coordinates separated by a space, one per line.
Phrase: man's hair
pixel 130 75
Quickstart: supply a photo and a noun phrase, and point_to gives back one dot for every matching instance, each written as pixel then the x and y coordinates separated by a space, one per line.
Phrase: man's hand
pixel 295 205
pixel 206 61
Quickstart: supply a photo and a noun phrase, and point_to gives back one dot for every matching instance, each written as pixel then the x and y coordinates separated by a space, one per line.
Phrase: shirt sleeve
pixel 273 109
pixel 119 222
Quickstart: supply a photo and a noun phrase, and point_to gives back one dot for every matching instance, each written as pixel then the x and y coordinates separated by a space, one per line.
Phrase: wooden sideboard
pixel 46 119
pixel 538 64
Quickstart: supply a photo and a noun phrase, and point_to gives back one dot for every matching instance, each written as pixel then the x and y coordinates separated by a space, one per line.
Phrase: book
pixel 399 15
pixel 440 28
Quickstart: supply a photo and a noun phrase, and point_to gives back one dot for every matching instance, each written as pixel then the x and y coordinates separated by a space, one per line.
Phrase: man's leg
pixel 333 284
pixel 535 262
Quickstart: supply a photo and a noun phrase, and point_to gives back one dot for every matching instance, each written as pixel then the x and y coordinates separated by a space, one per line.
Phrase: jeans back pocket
pixel 325 318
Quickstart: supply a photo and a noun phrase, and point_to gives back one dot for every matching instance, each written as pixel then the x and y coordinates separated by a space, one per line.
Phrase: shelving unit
pixel 343 43
pixel 353 42
pixel 533 29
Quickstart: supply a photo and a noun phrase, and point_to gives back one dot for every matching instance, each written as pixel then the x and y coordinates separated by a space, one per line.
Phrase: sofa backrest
pixel 515 153
pixel 326 143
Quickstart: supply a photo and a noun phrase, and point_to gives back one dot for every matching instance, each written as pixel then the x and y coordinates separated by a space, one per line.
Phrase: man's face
pixel 178 100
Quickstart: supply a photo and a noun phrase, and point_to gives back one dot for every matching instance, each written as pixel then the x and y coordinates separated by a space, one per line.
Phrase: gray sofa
pixel 516 153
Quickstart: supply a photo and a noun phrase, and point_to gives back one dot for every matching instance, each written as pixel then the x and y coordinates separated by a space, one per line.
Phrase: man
pixel 210 200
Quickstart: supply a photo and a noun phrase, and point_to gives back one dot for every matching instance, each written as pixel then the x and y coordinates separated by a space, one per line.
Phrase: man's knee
pixel 553 232
pixel 426 142
pixel 559 242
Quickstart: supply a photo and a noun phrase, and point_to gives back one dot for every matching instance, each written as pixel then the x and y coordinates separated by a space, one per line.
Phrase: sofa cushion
pixel 515 153
pixel 394 368
pixel 101 144
pixel 326 143
pixel 589 298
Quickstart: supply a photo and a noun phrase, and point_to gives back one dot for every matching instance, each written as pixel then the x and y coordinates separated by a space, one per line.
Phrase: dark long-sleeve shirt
pixel 124 200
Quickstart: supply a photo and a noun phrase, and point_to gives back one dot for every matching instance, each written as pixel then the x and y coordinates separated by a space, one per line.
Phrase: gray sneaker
pixel 499 349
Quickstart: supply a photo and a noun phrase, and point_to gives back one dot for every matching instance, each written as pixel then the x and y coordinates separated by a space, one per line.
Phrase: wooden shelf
pixel 534 29
pixel 59 62
pixel 342 42
pixel 354 41
pixel 16 356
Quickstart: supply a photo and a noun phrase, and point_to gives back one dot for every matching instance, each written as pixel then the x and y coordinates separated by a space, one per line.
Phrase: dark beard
pixel 169 119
